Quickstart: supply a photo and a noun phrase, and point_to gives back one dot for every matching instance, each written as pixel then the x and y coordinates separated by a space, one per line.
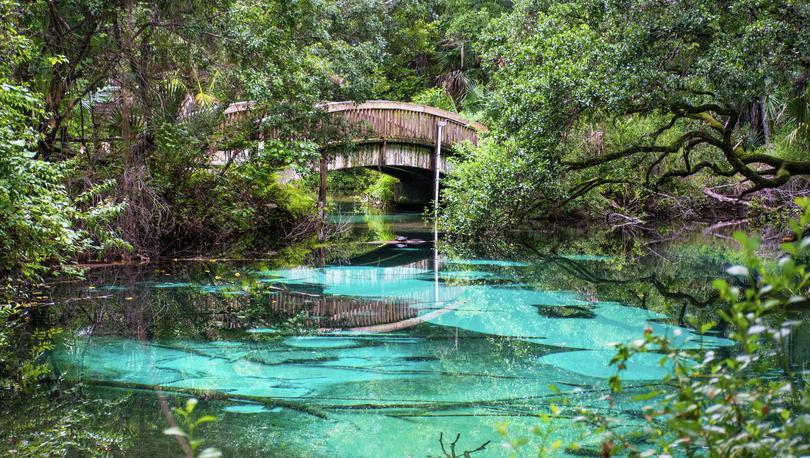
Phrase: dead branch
pixel 464 454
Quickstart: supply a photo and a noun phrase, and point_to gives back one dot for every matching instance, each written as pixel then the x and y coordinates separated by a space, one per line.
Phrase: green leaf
pixel 615 384
pixel 646 396
pixel 174 431
pixel 205 419
pixel 190 405
pixel 738 271
pixel 520 442
pixel 210 453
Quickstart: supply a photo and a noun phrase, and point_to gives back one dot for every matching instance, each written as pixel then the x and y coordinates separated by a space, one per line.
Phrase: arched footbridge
pixel 406 140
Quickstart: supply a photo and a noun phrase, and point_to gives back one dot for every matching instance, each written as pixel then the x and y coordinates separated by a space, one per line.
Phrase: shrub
pixel 753 401
pixel 436 97
pixel 494 188
pixel 382 193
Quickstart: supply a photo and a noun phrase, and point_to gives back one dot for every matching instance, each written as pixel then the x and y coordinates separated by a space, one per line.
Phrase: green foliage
pixel 490 189
pixel 350 181
pixel 40 225
pixel 754 403
pixel 190 423
pixel 242 202
pixel 382 193
pixel 34 226
pixel 290 56
pixel 16 47
pixel 23 352
pixel 163 113
pixel 630 97
pixel 436 97
pixel 543 433
pixel 35 211
pixel 244 205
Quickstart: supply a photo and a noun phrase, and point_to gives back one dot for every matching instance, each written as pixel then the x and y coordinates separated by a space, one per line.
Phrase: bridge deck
pixel 403 122
pixel 379 121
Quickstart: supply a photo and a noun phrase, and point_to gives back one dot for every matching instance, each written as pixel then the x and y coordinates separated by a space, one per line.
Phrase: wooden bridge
pixel 397 138
pixel 398 134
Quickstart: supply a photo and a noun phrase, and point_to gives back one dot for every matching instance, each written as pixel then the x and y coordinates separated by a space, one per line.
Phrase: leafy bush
pixel 40 224
pixel 436 97
pixel 382 193
pixel 494 188
pixel 35 224
pixel 241 204
pixel 347 181
pixel 753 401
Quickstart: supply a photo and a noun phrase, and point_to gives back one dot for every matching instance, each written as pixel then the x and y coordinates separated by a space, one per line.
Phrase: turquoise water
pixel 377 354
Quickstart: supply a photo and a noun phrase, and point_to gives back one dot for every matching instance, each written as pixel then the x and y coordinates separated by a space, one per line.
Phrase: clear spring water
pixel 372 355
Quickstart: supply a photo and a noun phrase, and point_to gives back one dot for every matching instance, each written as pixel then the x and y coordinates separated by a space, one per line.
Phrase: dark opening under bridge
pixel 397 138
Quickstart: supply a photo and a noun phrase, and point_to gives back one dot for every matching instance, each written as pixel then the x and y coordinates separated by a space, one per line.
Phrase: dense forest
pixel 624 115
pixel 112 110
pixel 632 112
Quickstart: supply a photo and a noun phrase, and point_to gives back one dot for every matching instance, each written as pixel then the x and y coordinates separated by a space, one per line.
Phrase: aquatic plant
pixel 189 423
pixel 544 432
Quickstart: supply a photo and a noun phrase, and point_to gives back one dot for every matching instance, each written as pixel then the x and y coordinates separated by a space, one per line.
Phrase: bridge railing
pixel 407 122
pixel 396 122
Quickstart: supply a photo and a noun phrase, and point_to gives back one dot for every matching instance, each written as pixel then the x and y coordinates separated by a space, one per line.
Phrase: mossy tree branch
pixel 716 127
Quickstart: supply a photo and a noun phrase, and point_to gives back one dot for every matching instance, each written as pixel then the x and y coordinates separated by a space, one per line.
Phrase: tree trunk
pixel 766 130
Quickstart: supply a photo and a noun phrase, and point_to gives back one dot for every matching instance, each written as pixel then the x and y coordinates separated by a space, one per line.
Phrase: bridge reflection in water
pixel 388 289
pixel 335 312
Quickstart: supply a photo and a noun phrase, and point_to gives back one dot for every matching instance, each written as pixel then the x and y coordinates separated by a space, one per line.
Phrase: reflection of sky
pixel 503 311
pixel 596 363
pixel 501 362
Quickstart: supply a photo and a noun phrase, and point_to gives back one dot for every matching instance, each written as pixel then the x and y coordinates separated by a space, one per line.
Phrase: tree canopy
pixel 643 93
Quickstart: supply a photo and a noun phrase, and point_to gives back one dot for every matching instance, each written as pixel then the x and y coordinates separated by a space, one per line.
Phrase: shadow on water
pixel 377 353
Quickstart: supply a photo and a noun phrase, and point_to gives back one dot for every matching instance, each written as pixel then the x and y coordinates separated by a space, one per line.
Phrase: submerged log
pixel 212 394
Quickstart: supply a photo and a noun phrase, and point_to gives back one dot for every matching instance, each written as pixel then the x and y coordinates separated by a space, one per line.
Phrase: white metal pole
pixel 439 125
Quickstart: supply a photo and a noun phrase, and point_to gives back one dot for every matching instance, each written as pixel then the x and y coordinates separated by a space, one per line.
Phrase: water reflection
pixel 376 355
